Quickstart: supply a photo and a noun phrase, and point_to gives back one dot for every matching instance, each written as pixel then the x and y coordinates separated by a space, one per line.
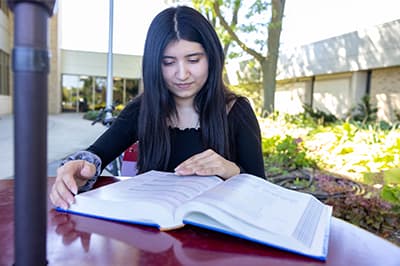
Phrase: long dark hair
pixel 157 103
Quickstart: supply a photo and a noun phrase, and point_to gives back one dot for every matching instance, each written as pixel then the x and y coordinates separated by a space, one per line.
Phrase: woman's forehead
pixel 183 47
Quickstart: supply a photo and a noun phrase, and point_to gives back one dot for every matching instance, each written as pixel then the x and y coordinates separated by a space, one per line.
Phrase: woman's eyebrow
pixel 168 57
pixel 195 54
pixel 188 55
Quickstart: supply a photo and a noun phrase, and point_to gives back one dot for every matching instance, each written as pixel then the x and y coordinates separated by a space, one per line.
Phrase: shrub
pixel 283 154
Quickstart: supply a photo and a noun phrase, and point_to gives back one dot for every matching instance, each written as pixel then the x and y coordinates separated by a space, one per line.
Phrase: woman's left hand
pixel 208 163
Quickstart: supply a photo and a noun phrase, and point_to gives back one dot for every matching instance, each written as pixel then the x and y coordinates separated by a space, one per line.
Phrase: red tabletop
pixel 78 240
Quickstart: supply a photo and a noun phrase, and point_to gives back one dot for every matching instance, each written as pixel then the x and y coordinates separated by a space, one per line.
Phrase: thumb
pixel 88 170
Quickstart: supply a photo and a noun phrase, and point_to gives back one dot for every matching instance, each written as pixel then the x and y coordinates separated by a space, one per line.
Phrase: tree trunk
pixel 269 65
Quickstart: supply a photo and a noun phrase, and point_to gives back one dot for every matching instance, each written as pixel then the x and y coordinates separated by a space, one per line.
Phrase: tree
pixel 206 8
pixel 268 60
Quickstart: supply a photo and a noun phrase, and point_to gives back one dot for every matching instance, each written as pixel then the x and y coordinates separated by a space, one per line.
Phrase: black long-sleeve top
pixel 245 139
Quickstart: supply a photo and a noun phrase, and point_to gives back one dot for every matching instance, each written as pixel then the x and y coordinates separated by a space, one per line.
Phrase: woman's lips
pixel 183 85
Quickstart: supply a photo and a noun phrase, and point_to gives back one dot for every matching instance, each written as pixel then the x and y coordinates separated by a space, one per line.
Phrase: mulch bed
pixel 354 202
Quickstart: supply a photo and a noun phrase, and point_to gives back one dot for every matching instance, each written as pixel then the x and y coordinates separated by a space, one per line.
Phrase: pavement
pixel 66 133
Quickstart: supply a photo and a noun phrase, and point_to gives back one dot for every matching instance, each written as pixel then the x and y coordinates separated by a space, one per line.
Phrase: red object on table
pixel 78 240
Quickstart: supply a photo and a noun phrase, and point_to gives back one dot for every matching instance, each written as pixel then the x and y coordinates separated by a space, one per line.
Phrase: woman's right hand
pixel 70 177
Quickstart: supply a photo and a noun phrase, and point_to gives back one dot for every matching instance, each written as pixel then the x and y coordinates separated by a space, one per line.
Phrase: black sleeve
pixel 121 134
pixel 246 136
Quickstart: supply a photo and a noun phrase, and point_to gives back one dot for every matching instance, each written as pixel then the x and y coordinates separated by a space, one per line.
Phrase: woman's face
pixel 185 69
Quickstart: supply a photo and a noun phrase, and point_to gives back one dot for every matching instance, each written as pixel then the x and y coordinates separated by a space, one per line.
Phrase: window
pixel 4 73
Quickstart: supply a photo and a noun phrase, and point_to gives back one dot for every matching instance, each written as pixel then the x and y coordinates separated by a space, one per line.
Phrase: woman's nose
pixel 182 72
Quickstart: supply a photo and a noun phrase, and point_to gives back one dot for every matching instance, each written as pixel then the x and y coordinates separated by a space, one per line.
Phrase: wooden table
pixel 78 240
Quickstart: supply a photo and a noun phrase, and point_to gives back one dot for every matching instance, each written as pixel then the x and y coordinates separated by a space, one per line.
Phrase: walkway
pixel 66 134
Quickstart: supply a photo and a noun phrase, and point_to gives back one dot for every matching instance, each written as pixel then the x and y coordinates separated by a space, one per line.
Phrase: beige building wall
pixel 385 92
pixel 6 26
pixel 291 95
pixel 54 87
pixel 95 64
pixel 332 94
pixel 7 43
pixel 344 69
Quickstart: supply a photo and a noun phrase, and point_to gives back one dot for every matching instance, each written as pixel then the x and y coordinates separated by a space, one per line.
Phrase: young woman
pixel 186 120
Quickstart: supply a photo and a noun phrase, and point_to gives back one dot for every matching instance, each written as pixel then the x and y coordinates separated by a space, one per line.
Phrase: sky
pixel 84 23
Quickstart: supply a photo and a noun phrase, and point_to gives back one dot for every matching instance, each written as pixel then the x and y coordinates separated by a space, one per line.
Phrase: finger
pixel 214 163
pixel 65 194
pixel 184 171
pixel 211 165
pixel 195 159
pixel 66 174
pixel 56 199
pixel 199 168
pixel 204 171
pixel 62 195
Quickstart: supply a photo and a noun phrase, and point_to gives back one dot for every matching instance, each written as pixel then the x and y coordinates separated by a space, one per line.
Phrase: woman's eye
pixel 194 60
pixel 167 62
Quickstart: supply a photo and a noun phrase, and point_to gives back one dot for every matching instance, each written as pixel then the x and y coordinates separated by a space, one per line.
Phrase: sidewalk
pixel 66 133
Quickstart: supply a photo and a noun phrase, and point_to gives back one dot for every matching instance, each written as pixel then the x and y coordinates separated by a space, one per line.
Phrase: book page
pixel 163 188
pixel 248 205
pixel 150 198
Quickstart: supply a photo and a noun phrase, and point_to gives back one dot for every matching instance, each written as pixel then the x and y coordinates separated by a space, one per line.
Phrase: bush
pixel 361 152
pixel 91 115
pixel 322 118
pixel 284 154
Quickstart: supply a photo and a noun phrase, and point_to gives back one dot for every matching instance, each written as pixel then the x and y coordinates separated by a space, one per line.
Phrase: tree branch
pixel 241 44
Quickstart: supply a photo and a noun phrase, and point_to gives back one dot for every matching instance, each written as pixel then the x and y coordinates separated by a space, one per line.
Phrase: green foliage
pixel 391 194
pixel 364 112
pixel 284 154
pixel 91 115
pixel 252 91
pixel 250 73
pixel 390 181
pixel 365 153
pixel 321 117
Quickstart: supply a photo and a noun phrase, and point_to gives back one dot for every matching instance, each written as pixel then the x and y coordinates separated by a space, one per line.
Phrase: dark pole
pixel 30 67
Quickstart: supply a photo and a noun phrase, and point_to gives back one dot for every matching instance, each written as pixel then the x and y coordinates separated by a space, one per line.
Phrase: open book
pixel 244 206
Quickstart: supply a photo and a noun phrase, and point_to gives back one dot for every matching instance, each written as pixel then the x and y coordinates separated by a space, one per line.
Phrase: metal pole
pixel 109 95
pixel 30 67
pixel 93 93
pixel 124 91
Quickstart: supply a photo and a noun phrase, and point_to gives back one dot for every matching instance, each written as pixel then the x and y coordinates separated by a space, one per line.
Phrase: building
pixel 77 79
pixel 5 62
pixel 83 79
pixel 331 75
